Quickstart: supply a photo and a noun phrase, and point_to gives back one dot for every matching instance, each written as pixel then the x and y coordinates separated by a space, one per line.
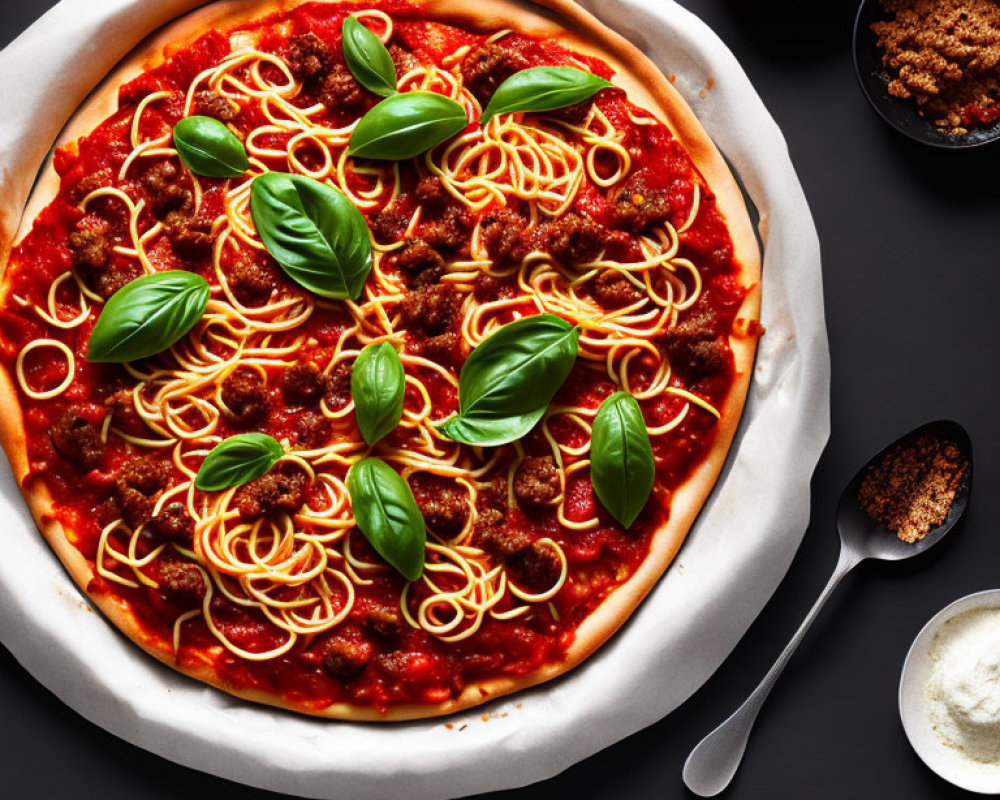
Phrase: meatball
pixel 302 384
pixel 92 252
pixel 536 482
pixel 91 246
pixel 389 224
pixel 91 183
pixel 245 396
pixel 307 56
pixel 312 430
pixel 190 237
pixel 445 348
pixel 703 358
pixel 484 68
pixel 106 512
pixel 340 91
pixel 445 507
pixel 701 321
pixel 420 261
pixel 575 239
pixel 449 229
pixel 180 582
pixel 110 280
pixel 503 236
pixel 78 441
pixel 614 290
pixel 345 660
pixel 493 494
pixel 431 308
pixel 416 256
pixel 279 490
pixel 138 486
pixel 163 189
pixel 487 287
pixel 535 568
pixel 402 59
pixel 174 524
pixel 430 191
pixel 492 534
pixel 338 386
pixel 250 282
pixel 636 204
pixel 695 346
pixel 212 104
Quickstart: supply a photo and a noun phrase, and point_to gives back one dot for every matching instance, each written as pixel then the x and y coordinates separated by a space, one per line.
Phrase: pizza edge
pixel 563 20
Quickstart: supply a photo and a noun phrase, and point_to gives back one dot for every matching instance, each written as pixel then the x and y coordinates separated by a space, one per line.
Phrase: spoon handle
pixel 714 761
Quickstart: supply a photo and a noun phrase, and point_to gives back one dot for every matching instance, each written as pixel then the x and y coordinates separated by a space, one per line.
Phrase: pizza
pixel 373 360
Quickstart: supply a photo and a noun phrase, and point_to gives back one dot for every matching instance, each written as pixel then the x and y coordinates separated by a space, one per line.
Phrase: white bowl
pixel 946 761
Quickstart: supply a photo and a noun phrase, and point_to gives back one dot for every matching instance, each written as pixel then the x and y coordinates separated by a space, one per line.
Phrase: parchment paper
pixel 733 560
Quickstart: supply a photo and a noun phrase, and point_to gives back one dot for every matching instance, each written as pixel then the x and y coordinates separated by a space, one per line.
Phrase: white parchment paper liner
pixel 738 552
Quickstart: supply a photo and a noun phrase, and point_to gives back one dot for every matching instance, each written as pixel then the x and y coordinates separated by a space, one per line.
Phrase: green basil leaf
pixel 405 125
pixel 377 386
pixel 367 58
pixel 388 516
pixel 209 148
pixel 147 316
pixel 621 458
pixel 314 232
pixel 484 431
pixel 509 380
pixel 237 460
pixel 543 89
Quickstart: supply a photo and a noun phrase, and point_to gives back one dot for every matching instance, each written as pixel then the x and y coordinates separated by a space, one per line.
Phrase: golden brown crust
pixel 647 87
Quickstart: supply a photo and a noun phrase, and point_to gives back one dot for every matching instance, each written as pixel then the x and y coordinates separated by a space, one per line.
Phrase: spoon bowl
pixel 872 539
pixel 899 112
pixel 713 762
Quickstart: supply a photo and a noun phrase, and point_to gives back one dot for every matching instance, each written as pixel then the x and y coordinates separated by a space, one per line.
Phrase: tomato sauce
pixel 420 668
pixel 980 114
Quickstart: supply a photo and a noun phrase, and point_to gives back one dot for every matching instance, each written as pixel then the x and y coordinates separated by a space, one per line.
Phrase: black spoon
pixel 899 112
pixel 713 763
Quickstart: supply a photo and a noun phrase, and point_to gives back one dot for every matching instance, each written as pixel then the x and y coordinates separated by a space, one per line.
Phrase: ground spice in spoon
pixel 911 489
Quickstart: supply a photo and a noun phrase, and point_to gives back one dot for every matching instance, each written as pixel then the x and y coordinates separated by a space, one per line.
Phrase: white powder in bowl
pixel 964 690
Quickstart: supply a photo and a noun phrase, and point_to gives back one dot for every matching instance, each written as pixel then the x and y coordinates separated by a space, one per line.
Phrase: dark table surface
pixel 912 282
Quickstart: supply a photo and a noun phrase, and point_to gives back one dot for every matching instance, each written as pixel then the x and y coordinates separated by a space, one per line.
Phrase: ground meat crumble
pixel 945 55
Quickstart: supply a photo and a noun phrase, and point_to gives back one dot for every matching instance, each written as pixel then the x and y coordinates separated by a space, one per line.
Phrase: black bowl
pixel 899 112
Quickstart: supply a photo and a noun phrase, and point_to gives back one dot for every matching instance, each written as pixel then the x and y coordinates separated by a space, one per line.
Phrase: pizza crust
pixel 646 86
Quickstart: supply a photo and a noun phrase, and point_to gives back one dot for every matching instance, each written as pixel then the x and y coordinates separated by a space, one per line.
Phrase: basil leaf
pixel 479 430
pixel 509 380
pixel 377 386
pixel 388 516
pixel 314 232
pixel 543 89
pixel 209 148
pixel 237 460
pixel 147 316
pixel 621 458
pixel 405 125
pixel 367 58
